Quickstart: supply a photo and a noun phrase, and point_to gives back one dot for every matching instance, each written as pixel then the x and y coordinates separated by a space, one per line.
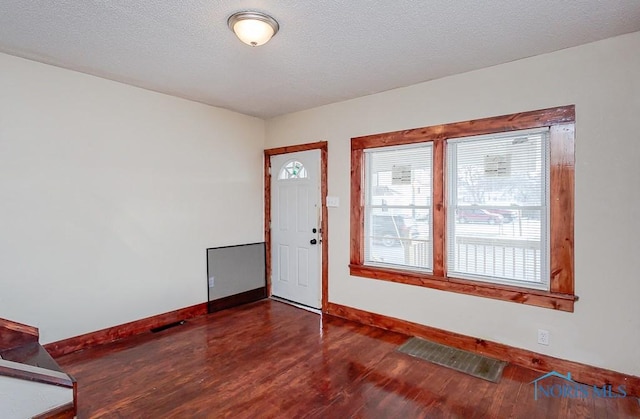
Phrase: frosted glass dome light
pixel 253 28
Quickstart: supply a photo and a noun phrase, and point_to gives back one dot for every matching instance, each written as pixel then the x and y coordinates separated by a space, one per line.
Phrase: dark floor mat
pixel 476 365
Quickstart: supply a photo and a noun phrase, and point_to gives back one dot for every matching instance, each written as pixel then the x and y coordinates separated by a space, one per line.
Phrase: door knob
pixel 313 241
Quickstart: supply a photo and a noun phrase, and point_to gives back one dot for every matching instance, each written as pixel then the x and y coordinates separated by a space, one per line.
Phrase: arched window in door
pixel 292 169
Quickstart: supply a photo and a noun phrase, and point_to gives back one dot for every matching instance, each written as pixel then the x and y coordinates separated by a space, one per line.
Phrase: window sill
pixel 555 301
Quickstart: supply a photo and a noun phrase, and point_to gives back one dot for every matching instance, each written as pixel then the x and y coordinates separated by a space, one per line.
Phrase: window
pixel 481 207
pixel 497 208
pixel 292 170
pixel 398 207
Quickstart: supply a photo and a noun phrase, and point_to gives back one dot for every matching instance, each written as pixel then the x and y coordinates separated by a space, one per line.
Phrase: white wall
pixel 603 81
pixel 110 194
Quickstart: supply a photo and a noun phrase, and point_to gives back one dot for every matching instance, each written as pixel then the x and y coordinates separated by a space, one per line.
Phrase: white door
pixel 295 227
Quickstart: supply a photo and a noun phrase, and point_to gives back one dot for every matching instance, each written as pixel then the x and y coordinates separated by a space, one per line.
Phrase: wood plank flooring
pixel 269 359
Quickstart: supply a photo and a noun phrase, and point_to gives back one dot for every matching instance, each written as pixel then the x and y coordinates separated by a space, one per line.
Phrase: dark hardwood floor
pixel 269 359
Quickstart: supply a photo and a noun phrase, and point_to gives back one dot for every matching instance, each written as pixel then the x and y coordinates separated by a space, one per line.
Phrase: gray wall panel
pixel 235 269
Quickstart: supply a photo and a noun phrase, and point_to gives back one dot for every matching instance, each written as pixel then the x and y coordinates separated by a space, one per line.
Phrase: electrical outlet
pixel 211 282
pixel 543 337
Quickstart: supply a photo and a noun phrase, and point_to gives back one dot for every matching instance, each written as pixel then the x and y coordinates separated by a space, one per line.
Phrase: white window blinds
pixel 398 195
pixel 497 212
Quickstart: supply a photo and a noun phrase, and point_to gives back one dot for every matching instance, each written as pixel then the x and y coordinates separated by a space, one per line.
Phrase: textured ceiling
pixel 326 50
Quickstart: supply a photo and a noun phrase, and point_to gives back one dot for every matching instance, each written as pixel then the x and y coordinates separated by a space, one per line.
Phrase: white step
pixel 20 399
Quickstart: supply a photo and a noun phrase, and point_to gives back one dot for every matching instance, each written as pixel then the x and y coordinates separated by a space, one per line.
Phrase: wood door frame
pixel 324 235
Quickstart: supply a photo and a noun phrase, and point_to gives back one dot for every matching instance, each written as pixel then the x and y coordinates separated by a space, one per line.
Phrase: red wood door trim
pixel 323 147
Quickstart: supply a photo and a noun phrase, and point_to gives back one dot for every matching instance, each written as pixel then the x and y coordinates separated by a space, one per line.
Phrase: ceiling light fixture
pixel 253 28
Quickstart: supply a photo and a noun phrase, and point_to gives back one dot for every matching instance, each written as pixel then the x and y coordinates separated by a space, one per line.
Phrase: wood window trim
pixel 561 122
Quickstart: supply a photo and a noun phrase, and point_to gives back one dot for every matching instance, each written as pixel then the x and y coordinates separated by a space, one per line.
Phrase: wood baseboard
pixel 538 362
pixel 238 299
pixel 111 334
